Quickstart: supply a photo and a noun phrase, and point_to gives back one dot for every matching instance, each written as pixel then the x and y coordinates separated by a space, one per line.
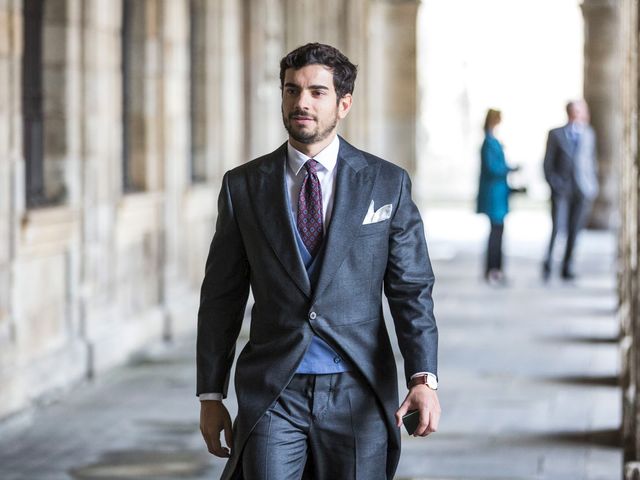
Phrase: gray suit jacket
pixel 570 170
pixel 254 246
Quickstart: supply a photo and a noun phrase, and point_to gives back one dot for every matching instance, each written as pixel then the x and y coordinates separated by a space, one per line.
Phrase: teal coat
pixel 493 192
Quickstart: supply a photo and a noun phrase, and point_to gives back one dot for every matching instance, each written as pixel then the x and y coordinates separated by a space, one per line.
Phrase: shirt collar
pixel 327 158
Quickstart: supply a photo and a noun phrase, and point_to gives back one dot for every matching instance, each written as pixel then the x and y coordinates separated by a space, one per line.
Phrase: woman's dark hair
pixel 344 72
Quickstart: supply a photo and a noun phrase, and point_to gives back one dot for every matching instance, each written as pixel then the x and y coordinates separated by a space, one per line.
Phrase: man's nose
pixel 303 100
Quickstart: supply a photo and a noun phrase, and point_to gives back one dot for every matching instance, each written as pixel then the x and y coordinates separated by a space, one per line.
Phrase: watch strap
pixel 422 380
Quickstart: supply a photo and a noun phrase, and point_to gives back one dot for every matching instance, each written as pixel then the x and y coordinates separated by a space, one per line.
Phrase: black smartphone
pixel 411 420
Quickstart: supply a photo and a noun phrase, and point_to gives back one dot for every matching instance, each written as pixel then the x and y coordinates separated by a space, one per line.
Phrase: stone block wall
pixel 101 272
pixel 603 63
pixel 629 239
pixel 105 267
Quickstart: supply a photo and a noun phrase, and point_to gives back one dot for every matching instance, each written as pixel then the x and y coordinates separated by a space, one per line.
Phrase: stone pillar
pixel 102 173
pixel 264 47
pixel 230 88
pixel 311 21
pixel 629 240
pixel 227 136
pixel 344 26
pixel 300 23
pixel 355 127
pixel 602 69
pixel 392 81
pixel 11 198
pixel 122 284
pixel 174 139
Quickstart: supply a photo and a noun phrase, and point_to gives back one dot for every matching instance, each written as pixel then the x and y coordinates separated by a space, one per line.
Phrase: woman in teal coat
pixel 493 195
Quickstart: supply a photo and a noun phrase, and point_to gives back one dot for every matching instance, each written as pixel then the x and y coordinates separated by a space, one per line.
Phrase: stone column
pixel 602 68
pixel 264 47
pixel 392 80
pixel 232 100
pixel 629 241
pixel 355 127
pixel 102 175
pixel 174 128
pixel 300 23
pixel 342 25
pixel 311 21
pixel 12 194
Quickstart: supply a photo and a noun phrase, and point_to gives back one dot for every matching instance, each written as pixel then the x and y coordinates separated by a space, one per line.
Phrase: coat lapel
pixel 354 183
pixel 565 141
pixel 269 197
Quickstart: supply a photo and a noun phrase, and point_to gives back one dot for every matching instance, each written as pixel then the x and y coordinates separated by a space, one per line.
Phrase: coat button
pixel 312 315
pixel 337 359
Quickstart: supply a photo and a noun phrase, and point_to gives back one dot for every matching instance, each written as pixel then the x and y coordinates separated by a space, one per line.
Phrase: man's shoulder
pixel 386 166
pixel 263 162
pixel 557 130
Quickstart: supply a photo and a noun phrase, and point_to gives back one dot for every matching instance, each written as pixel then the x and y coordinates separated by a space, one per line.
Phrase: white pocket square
pixel 375 216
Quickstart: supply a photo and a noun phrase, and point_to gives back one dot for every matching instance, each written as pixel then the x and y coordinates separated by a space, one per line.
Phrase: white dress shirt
pixel 326 170
pixel 295 172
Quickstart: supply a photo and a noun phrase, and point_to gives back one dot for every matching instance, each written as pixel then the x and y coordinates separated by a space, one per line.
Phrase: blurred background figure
pixel 570 171
pixel 493 195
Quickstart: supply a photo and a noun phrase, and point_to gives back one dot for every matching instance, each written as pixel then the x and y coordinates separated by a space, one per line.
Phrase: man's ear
pixel 344 105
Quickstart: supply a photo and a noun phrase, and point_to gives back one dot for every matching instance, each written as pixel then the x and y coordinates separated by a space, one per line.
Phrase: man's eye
pixel 291 91
pixel 317 93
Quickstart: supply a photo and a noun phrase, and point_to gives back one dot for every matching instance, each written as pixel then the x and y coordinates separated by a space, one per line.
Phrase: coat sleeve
pixel 549 164
pixel 223 298
pixel 408 285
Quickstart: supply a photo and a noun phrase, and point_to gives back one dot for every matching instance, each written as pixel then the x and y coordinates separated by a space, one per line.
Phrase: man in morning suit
pixel 571 171
pixel 317 229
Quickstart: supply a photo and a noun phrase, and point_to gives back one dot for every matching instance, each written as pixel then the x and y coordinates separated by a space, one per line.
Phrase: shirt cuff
pixel 210 396
pixel 424 373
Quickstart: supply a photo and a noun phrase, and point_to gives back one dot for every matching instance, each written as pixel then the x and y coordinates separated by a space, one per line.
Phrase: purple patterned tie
pixel 309 219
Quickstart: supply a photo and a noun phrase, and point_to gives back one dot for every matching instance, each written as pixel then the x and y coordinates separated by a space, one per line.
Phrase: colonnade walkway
pixel 528 376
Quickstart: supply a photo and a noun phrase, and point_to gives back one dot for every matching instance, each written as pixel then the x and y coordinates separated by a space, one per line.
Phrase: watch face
pixel 432 382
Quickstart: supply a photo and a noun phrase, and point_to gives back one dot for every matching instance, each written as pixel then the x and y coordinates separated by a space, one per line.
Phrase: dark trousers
pixel 323 427
pixel 568 212
pixel 494 248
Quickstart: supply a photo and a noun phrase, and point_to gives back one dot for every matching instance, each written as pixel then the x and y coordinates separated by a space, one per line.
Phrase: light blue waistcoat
pixel 320 357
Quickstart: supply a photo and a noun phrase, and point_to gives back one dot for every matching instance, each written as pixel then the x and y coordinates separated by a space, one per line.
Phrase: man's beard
pixel 312 136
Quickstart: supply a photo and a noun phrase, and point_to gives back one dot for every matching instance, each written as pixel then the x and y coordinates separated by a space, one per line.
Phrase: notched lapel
pixel 268 194
pixel 355 179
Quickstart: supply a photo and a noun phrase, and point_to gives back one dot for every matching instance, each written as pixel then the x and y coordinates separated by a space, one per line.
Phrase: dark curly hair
pixel 344 72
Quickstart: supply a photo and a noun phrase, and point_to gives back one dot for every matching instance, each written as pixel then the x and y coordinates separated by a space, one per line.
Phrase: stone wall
pixel 103 271
pixel 11 195
pixel 602 69
pixel 115 258
pixel 392 74
pixel 629 240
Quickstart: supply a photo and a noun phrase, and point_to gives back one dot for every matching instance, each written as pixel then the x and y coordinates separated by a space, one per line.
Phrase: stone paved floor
pixel 528 381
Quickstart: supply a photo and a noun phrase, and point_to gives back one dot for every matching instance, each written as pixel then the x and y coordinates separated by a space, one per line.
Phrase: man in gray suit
pixel 317 229
pixel 571 171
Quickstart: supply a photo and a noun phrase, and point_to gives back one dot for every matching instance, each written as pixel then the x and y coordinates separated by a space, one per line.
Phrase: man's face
pixel 579 113
pixel 310 107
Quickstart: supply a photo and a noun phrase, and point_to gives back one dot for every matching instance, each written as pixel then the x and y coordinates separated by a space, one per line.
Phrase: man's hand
pixel 421 398
pixel 214 417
